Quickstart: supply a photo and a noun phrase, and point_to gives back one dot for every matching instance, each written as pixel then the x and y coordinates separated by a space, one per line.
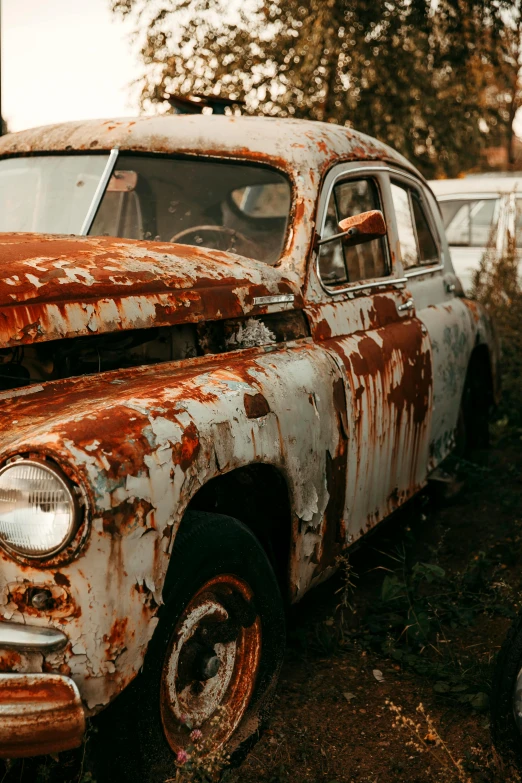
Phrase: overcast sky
pixel 64 60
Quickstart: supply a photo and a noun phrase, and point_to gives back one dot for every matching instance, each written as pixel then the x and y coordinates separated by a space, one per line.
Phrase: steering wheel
pixel 224 239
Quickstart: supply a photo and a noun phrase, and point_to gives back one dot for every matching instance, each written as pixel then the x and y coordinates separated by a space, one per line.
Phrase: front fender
pixel 141 443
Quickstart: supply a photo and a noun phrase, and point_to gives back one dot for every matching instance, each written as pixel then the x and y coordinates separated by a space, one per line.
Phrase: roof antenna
pixel 195 103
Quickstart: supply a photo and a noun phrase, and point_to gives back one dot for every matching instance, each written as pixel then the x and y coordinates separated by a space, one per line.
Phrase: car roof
pixel 287 143
pixel 476 185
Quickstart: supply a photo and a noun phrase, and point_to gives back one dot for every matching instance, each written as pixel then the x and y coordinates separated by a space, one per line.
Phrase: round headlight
pixel 37 509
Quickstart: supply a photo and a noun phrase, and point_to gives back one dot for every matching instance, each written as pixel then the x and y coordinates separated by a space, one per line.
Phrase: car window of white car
pixel 339 264
pixel 518 222
pixel 418 246
pixel 470 222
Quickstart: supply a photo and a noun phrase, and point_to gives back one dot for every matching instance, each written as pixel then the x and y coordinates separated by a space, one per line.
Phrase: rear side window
pixel 471 222
pixel 418 246
pixel 339 264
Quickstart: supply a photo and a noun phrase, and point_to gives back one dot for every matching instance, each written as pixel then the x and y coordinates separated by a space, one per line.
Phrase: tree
pixel 424 77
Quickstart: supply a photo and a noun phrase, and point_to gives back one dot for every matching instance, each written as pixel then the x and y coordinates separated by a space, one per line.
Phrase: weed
pixel 347 588
pixel 424 738
pixel 201 761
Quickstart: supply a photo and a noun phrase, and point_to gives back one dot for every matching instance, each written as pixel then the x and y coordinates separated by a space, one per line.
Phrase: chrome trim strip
pixel 98 194
pixel 427 271
pixel 279 299
pixel 464 195
pixel 382 282
pixel 31 638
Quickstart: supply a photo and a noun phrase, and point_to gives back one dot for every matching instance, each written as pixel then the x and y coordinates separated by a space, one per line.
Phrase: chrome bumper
pixel 39 713
pixel 31 638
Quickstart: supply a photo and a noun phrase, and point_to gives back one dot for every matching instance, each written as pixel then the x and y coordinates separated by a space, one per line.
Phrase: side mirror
pixel 363 227
pixel 359 228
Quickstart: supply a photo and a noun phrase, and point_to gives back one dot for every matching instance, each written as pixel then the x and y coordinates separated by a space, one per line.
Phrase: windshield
pixel 50 194
pixel 220 205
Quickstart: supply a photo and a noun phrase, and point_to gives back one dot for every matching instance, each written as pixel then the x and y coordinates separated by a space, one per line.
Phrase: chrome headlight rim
pixel 68 547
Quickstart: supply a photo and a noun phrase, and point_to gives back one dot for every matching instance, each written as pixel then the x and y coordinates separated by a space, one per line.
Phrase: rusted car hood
pixel 62 286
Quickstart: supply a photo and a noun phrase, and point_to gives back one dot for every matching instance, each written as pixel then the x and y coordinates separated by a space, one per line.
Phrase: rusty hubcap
pixel 211 663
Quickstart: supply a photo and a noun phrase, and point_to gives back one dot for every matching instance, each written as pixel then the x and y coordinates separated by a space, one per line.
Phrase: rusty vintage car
pixel 229 347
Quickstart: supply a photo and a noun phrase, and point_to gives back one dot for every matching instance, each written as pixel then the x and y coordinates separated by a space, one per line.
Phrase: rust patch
pixel 322 330
pixel 116 638
pixel 256 406
pixel 334 533
pixel 189 448
pixel 383 311
pixel 9 660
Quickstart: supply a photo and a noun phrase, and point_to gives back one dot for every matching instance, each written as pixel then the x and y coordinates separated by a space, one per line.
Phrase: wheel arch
pixel 258 495
pixel 480 364
pixel 478 396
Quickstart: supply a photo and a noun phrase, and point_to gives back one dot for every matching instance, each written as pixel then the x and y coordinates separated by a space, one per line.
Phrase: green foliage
pixel 419 605
pixel 436 81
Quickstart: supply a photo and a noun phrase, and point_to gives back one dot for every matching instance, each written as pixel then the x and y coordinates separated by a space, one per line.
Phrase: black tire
pixel 475 408
pixel 207 546
pixel 506 734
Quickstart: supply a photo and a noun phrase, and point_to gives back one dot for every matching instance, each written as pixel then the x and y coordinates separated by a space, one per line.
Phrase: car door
pixel 432 283
pixel 361 313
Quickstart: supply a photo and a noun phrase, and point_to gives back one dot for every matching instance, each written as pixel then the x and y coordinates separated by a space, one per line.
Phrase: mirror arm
pixel 350 233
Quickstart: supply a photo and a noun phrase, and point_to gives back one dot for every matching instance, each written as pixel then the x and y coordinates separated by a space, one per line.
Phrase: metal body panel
pixel 142 442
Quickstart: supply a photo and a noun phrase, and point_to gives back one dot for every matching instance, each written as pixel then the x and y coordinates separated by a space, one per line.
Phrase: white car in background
pixel 479 212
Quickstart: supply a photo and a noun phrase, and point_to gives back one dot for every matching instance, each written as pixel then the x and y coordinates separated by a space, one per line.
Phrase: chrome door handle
pixel 408 305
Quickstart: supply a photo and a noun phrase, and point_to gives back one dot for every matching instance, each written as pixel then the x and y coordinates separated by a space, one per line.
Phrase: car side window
pixel 518 222
pixel 418 245
pixel 339 264
pixel 470 222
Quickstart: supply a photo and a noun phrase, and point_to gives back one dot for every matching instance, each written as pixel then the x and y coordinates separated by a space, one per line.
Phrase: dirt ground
pixel 416 616
pixel 331 722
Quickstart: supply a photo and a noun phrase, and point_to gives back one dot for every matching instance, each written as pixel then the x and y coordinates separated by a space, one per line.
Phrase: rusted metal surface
pixel 39 713
pixel 56 287
pixel 211 664
pixel 347 396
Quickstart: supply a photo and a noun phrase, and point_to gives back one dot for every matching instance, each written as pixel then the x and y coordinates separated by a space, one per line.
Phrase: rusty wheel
pixel 212 663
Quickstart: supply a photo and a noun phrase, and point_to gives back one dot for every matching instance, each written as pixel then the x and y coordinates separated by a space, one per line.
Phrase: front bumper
pixel 39 713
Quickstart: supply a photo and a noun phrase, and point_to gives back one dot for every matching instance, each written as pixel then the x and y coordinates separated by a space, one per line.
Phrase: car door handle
pixel 408 305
